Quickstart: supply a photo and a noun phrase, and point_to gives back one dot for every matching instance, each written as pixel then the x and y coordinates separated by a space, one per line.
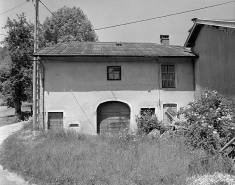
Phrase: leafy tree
pixel 16 75
pixel 209 121
pixel 68 24
pixel 3 53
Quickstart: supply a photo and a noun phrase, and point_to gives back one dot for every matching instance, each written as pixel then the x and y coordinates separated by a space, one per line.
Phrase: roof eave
pixel 121 56
pixel 190 42
pixel 198 24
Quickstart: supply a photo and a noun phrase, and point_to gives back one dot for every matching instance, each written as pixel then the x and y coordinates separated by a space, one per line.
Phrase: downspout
pixel 42 94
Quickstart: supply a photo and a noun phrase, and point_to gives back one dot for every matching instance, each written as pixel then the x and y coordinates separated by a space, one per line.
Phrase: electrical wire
pixel 82 109
pixel 169 15
pixel 13 8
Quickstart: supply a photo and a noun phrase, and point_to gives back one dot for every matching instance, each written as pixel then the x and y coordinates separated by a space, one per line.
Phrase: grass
pixel 71 158
pixel 7 115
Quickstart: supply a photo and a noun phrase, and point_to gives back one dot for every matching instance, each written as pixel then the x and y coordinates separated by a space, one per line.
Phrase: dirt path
pixel 7 178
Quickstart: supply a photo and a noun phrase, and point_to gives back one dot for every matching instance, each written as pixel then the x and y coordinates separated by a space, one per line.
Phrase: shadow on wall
pixel 108 87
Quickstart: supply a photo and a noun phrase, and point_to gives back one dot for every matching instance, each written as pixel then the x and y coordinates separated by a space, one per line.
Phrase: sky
pixel 103 13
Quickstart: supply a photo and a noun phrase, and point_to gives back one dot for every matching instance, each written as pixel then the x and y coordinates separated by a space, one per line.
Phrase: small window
pixel 169 112
pixel 114 72
pixel 147 111
pixel 168 76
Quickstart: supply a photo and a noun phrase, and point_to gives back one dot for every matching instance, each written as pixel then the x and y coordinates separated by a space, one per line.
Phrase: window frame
pixel 150 108
pixel 114 79
pixel 165 105
pixel 175 75
pixel 55 111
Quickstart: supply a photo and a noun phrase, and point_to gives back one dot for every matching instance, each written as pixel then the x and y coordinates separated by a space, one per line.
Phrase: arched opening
pixel 113 117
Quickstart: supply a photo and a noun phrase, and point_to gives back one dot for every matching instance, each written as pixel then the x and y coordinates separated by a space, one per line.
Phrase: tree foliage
pixel 68 24
pixel 16 57
pixel 16 80
pixel 209 121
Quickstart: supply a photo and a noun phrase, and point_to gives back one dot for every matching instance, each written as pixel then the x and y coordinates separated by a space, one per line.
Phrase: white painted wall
pixel 72 83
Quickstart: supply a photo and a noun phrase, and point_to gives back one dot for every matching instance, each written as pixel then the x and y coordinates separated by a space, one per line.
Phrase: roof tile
pixel 113 48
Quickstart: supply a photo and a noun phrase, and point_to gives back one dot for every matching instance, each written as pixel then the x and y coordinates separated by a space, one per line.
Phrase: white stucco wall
pixel 72 84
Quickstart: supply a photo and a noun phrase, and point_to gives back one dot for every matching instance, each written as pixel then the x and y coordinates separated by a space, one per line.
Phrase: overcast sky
pixel 104 13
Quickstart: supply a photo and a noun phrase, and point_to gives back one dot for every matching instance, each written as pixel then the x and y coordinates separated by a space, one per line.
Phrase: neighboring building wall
pixel 216 64
pixel 82 83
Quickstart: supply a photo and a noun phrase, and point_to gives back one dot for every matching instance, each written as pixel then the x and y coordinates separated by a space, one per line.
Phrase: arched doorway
pixel 113 117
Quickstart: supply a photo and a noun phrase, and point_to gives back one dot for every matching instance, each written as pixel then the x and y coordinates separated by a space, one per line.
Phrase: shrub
pixel 147 122
pixel 209 121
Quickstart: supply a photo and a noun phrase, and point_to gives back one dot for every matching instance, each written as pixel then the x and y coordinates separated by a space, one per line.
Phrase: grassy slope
pixel 70 158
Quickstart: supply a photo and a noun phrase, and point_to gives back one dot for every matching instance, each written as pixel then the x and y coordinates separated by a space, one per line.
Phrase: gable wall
pixel 216 64
pixel 80 85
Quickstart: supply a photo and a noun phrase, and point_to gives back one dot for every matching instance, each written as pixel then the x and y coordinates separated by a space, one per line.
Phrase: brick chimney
pixel 164 39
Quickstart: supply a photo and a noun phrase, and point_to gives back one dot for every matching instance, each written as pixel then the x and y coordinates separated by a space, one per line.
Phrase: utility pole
pixel 36 71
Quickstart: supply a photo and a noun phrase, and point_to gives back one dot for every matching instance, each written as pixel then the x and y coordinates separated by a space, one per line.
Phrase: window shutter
pixel 168 76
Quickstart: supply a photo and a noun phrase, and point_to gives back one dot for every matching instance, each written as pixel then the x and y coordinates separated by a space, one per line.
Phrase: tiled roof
pixel 75 48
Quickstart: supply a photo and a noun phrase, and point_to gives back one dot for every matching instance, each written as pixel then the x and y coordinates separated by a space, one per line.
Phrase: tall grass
pixel 71 158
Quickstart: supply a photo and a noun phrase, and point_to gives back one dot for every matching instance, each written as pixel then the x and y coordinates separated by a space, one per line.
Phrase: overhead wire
pixel 159 17
pixel 13 8
pixel 133 22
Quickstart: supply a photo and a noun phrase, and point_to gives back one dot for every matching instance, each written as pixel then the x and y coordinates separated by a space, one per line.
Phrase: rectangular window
pixel 147 111
pixel 114 72
pixel 169 112
pixel 168 76
pixel 55 120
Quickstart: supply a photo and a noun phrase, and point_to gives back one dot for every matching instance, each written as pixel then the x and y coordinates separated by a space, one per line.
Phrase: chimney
pixel 164 39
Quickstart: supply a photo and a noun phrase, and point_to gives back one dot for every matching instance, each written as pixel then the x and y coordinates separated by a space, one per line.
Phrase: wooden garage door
pixel 55 120
pixel 113 117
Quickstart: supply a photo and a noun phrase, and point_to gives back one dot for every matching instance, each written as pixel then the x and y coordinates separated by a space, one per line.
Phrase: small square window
pixel 168 76
pixel 114 72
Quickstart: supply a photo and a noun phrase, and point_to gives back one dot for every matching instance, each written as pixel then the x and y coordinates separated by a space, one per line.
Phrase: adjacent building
pixel 214 42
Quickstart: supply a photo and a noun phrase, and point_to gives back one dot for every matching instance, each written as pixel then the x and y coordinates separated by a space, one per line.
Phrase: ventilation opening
pixel 73 125
pixel 119 44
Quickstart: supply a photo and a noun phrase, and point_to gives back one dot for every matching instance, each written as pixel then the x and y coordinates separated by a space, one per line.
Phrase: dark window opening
pixel 114 72
pixel 168 76
pixel 147 111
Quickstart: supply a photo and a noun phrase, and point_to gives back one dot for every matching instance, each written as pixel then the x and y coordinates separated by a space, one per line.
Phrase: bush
pixel 209 121
pixel 147 122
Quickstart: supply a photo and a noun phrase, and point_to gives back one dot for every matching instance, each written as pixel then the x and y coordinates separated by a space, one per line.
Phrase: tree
pixel 16 79
pixel 68 24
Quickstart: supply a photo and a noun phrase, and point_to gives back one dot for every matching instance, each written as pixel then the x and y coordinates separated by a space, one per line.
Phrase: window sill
pixel 169 89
